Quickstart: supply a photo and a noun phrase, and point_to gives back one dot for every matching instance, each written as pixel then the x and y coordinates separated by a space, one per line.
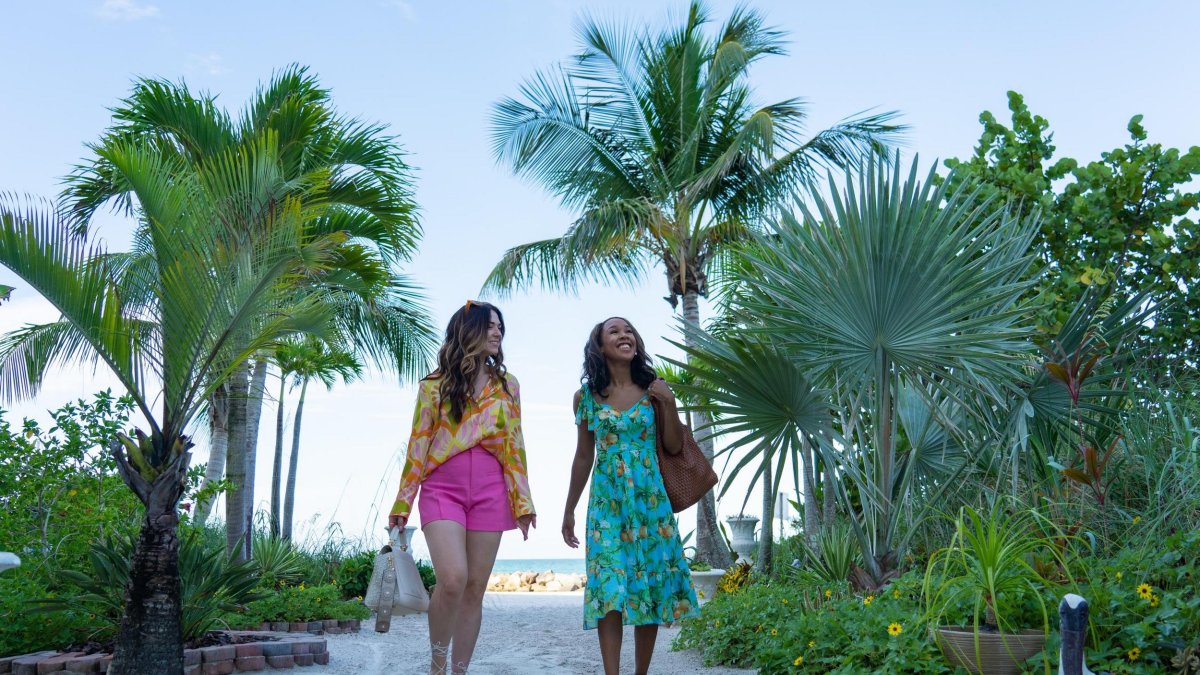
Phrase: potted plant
pixel 990 573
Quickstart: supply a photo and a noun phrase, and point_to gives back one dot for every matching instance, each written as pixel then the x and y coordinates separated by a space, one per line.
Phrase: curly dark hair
pixel 595 367
pixel 462 353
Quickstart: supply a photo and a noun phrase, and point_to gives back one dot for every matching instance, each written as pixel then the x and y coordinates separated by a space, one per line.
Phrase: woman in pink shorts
pixel 467 456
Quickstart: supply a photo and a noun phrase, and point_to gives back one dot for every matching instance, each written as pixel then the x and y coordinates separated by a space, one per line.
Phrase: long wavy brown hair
pixel 595 367
pixel 463 353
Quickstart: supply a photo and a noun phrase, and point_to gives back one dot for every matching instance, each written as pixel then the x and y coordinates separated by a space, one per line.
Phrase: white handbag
pixel 396 587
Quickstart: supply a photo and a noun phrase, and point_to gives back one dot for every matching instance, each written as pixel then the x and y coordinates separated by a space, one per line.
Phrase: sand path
pixel 523 633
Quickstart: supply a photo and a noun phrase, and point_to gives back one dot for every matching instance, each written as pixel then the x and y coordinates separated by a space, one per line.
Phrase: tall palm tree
pixel 655 137
pixel 303 361
pixel 205 295
pixel 903 301
pixel 351 186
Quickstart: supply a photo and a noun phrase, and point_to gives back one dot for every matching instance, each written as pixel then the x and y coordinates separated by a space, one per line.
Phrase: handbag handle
pixel 397 539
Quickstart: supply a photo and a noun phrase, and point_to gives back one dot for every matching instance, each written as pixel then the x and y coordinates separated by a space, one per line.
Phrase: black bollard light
pixel 1073 621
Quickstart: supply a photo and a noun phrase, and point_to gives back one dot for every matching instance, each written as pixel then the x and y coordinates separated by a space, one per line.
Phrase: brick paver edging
pixel 287 650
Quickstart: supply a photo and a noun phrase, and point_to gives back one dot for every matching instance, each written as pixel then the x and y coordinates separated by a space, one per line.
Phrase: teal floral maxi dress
pixel 635 562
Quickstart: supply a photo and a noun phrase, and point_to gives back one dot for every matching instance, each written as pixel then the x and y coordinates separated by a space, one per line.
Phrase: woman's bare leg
pixel 643 647
pixel 609 630
pixel 481 557
pixel 447 542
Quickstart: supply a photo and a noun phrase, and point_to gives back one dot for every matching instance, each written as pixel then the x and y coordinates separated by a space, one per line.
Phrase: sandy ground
pixel 523 633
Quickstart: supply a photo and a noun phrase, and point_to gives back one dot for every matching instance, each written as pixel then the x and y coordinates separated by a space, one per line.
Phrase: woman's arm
pixel 672 428
pixel 515 467
pixel 424 417
pixel 581 469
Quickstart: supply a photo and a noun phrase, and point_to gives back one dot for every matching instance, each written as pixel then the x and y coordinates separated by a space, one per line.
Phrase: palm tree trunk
pixel 830 498
pixel 885 443
pixel 812 519
pixel 235 507
pixel 258 388
pixel 766 536
pixel 710 547
pixel 150 637
pixel 214 471
pixel 289 502
pixel 277 467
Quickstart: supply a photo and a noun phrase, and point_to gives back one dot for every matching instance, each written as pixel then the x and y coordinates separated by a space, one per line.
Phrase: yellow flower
pixel 799 660
pixel 1154 601
pixel 895 629
pixel 774 632
pixel 785 601
pixel 828 593
pixel 812 644
pixel 72 493
pixel 868 600
pixel 1134 654
pixel 896 594
pixel 1118 576
pixel 1137 519
pixel 1145 591
pixel 718 624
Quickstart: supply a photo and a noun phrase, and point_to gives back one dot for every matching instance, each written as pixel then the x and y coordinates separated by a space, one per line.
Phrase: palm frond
pixel 556 266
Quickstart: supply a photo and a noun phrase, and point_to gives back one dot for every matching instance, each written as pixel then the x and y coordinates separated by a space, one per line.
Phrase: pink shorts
pixel 469 489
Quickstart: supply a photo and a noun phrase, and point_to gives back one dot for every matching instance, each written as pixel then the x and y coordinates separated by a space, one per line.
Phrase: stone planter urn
pixel 741 536
pixel 705 583
pixel 989 653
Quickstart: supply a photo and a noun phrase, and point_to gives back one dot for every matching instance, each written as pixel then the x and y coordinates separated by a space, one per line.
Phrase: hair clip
pixel 469 305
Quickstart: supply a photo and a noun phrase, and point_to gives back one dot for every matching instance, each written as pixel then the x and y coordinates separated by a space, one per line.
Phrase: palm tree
pixel 205 295
pixel 305 361
pixel 351 186
pixel 655 138
pixel 902 300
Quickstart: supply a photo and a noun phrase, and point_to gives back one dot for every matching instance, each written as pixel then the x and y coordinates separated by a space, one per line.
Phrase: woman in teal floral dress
pixel 636 572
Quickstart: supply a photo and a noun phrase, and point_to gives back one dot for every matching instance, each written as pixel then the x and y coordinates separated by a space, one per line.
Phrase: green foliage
pixel 277 561
pixel 1127 218
pixel 991 567
pixel 299 603
pixel 353 575
pixel 798 628
pixel 59 487
pixel 427 575
pixel 1161 621
pixel 23 631
pixel 211 585
pixel 832 559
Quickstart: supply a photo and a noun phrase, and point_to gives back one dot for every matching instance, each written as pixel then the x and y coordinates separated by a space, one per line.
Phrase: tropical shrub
pixel 59 488
pixel 1145 609
pixel 354 574
pixel 22 631
pixel 210 585
pixel 299 603
pixel 804 627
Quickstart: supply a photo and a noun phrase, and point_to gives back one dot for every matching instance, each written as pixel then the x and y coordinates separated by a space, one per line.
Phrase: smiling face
pixel 495 335
pixel 619 342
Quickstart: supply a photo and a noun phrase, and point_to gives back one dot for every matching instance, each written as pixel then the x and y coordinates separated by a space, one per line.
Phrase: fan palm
pixel 352 187
pixel 303 361
pixel 656 138
pixel 211 293
pixel 889 290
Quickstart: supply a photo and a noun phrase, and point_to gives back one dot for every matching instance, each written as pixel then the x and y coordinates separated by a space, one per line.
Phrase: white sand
pixel 523 633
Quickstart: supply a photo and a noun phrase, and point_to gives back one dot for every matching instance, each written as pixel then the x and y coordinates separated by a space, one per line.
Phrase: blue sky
pixel 432 70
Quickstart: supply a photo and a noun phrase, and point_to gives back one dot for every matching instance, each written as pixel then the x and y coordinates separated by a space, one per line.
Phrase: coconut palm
pixel 208 294
pixel 351 186
pixel 656 139
pixel 303 361
pixel 891 293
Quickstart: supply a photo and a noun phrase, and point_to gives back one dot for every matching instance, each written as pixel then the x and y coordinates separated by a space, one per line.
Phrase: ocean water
pixel 561 565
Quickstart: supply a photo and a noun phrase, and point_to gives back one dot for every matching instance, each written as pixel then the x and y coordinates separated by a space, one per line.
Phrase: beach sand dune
pixel 522 634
